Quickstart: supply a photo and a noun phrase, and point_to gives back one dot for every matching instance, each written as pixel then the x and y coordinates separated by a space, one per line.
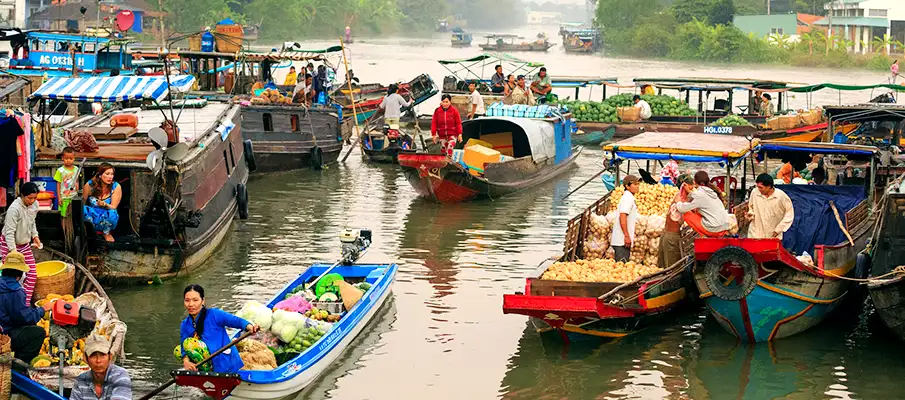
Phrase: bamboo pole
pixel 351 93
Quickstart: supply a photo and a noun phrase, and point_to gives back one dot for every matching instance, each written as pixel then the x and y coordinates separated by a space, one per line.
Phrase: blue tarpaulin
pixel 815 223
pixel 815 149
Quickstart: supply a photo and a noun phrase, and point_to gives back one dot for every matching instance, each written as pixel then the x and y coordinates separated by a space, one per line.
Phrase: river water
pixel 443 335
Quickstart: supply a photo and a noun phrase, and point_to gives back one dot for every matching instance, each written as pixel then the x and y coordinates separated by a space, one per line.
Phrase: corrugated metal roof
pixel 856 21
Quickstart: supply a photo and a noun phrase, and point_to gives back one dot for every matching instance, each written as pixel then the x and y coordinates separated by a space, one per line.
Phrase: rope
pixel 900 270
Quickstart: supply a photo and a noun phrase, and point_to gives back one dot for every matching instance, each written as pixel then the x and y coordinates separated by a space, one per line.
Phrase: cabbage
pixel 287 333
pixel 276 327
pixel 263 319
pixel 279 315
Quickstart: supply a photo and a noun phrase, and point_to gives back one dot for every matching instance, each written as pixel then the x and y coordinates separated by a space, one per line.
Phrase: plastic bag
pixel 294 304
pixel 257 314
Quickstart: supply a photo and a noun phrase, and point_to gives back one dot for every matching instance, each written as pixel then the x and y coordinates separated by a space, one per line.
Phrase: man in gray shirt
pixel 497 80
pixel 392 105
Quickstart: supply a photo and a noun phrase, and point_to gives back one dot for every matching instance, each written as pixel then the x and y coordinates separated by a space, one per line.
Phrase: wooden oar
pixel 362 132
pixel 170 382
pixel 586 182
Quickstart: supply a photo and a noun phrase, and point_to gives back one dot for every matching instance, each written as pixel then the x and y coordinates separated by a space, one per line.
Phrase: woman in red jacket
pixel 446 125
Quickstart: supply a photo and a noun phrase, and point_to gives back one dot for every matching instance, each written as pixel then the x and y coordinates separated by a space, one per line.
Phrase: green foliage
pixel 714 12
pixel 194 15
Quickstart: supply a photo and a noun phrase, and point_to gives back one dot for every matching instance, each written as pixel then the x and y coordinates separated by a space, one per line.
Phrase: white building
pixel 12 13
pixel 545 18
pixel 863 20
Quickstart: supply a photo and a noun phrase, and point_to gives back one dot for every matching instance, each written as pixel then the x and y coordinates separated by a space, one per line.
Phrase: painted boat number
pixel 722 130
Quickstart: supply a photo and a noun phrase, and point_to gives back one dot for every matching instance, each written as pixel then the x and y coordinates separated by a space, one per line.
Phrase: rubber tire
pixel 317 158
pixel 250 156
pixel 862 266
pixel 715 264
pixel 242 200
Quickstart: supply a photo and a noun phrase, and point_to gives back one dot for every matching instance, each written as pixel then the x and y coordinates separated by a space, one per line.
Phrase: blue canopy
pixel 818 148
pixel 815 223
pixel 227 21
pixel 630 155
pixel 112 89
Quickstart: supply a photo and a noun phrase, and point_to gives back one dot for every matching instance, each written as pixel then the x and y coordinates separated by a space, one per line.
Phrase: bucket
pixel 60 279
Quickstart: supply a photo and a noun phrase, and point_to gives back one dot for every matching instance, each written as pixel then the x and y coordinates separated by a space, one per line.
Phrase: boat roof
pixel 818 147
pixel 866 112
pixel 502 35
pixel 112 89
pixel 580 81
pixel 475 67
pixel 683 146
pixel 540 133
pixel 715 82
pixel 502 57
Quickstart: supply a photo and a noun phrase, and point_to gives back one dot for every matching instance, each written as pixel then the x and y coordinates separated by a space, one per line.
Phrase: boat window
pixel 294 120
pixel 232 155
pixel 226 163
pixel 268 122
pixel 88 47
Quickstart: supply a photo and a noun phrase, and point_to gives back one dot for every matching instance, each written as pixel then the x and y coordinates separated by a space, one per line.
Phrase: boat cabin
pixel 722 91
pixel 507 42
pixel 460 38
pixel 39 53
pixel 579 38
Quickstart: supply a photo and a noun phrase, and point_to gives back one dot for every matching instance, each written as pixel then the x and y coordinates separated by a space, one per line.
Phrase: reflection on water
pixel 443 335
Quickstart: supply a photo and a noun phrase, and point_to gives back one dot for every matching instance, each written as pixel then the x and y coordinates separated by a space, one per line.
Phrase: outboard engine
pixel 354 244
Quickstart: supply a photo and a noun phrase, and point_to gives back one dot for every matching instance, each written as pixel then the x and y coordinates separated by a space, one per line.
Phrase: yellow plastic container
pixel 475 157
pixel 50 268
pixel 477 142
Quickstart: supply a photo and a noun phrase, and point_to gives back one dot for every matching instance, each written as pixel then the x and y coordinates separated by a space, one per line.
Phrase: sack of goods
pixel 598 264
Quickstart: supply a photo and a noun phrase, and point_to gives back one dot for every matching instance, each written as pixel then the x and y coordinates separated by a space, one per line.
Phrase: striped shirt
pixel 117 386
pixel 28 283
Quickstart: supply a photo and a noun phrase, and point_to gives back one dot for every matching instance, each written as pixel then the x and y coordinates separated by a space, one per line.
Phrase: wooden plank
pixel 118 133
pixel 540 287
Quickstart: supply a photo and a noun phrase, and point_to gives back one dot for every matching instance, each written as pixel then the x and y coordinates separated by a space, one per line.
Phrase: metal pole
pixel 873 183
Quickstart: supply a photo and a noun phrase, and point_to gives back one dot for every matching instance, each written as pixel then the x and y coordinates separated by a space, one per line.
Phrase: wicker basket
pixel 62 284
pixel 6 362
pixel 195 42
pixel 229 38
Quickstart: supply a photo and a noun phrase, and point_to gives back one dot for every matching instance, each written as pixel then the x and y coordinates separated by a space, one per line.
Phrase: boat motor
pixel 354 243
pixel 69 322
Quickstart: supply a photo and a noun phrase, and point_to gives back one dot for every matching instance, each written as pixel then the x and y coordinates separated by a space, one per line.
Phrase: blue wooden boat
pixel 37 53
pixel 593 138
pixel 758 289
pixel 296 374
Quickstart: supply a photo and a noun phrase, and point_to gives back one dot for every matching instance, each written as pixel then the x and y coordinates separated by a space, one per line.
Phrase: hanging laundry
pixel 10 132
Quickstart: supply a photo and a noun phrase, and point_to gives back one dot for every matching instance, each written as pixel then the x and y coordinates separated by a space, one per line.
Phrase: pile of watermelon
pixel 594 111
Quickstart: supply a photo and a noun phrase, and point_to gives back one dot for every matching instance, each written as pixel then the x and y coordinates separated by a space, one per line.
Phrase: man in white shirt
pixel 392 105
pixel 770 210
pixel 624 228
pixel 645 108
pixel 476 101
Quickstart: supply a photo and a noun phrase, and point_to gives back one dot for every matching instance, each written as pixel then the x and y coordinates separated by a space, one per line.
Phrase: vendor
pixel 104 195
pixel 704 211
pixel 20 233
pixel 209 325
pixel 644 106
pixel 770 210
pixel 670 251
pixel 291 77
pixel 623 235
pixel 17 319
pixel 766 106
pixel 392 105
pixel 648 90
pixel 541 86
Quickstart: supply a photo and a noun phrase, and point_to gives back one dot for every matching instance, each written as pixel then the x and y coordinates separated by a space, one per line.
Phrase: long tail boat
pixel 765 289
pixel 617 309
pixel 540 149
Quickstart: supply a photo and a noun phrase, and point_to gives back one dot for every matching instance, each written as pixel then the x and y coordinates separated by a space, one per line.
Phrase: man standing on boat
pixel 497 80
pixel 475 102
pixel 769 210
pixel 541 86
pixel 624 228
pixel 644 106
pixel 392 105
pixel 521 94
pixel 105 380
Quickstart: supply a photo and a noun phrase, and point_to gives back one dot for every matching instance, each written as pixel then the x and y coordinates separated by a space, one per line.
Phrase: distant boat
pixel 460 38
pixel 578 39
pixel 506 42
pixel 442 25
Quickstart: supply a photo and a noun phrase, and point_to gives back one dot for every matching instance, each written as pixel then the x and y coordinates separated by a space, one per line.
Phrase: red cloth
pixel 694 221
pixel 446 123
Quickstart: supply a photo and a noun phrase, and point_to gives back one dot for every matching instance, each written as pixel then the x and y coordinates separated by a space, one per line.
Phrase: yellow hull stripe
pixel 575 329
pixel 666 299
pixel 798 296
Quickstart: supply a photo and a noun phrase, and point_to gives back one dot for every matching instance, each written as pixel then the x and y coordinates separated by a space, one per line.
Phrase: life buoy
pixel 317 158
pixel 250 155
pixel 734 263
pixel 242 200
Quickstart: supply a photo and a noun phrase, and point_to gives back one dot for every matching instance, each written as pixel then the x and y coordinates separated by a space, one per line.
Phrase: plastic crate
pixel 332 307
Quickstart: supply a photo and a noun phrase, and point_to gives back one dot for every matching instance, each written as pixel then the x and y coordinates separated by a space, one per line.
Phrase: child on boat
pixel 66 177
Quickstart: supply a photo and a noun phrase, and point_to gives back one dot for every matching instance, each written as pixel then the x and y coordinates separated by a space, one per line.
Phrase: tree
pixel 721 12
pixel 616 15
pixel 780 40
pixel 882 44
pixel 808 39
pixel 713 12
pixel 193 16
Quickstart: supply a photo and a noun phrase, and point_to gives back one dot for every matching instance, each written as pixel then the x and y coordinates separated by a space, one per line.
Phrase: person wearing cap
pixel 624 228
pixel 520 94
pixel 392 105
pixel 105 380
pixel 476 101
pixel 670 250
pixel 18 319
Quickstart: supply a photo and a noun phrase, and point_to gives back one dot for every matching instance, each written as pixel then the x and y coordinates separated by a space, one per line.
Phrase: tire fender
pixel 741 262
pixel 317 158
pixel 242 200
pixel 250 155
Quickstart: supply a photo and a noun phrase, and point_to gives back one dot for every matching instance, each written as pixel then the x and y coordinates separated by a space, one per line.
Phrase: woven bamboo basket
pixel 6 362
pixel 195 42
pixel 62 284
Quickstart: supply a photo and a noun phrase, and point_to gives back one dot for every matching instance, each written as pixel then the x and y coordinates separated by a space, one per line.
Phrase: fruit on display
pixel 41 361
pixel 731 120
pixel 650 199
pixel 271 96
pixel 321 315
pixel 605 111
pixel 601 270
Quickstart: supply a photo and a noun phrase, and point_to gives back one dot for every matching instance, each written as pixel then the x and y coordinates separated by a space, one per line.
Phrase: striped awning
pixel 112 89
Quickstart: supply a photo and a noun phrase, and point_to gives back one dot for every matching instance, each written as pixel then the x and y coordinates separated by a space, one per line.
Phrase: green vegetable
pixel 731 120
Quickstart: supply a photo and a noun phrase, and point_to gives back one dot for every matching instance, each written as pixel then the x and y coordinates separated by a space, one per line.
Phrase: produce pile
pixel 597 271
pixel 271 96
pixel 731 120
pixel 295 323
pixel 605 111
pixel 651 199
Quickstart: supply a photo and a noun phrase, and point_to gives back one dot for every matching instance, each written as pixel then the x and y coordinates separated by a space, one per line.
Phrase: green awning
pixel 821 86
pixel 766 84
pixel 495 57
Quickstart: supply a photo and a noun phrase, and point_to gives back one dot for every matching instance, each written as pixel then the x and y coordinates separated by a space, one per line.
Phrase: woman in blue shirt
pixel 209 325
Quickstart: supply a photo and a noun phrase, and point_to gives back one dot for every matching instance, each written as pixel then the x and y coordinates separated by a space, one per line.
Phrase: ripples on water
pixel 443 334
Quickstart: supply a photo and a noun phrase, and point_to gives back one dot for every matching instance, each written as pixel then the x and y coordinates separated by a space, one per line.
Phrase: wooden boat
pixel 296 374
pixel 506 43
pixel 383 145
pixel 542 149
pixel 599 309
pixel 887 283
pixel 22 383
pixel 173 212
pixel 419 89
pixel 292 136
pixel 39 54
pixel 460 38
pixel 757 288
pixel 593 138
pixel 577 38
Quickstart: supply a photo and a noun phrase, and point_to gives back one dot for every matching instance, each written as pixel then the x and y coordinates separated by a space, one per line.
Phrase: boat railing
pixel 857 216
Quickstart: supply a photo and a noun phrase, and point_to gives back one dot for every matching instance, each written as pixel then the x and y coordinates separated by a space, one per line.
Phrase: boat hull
pixel 436 177
pixel 889 301
pixel 541 47
pixel 283 136
pixel 594 138
pixel 888 293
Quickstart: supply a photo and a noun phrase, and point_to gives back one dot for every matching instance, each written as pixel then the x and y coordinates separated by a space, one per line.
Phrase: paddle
pixel 170 382
pixel 585 182
pixel 364 131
